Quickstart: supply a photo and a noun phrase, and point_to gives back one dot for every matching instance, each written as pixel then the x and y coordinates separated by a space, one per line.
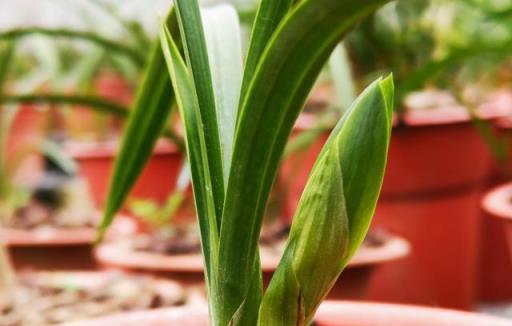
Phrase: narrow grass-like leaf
pixel 335 210
pixel 223 39
pixel 196 55
pixel 341 74
pixel 95 103
pixel 6 54
pixel 145 125
pixel 269 15
pixel 188 104
pixel 137 55
pixel 57 154
pixel 299 49
pixel 7 49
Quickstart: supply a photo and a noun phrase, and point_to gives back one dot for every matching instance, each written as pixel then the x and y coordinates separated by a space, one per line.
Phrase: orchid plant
pixel 237 117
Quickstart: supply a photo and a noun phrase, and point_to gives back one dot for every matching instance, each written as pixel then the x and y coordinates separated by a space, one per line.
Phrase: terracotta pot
pixel 58 249
pixel 27 127
pixel 498 205
pixel 83 123
pixel 430 197
pixel 495 264
pixel 352 284
pixel 502 100
pixel 158 180
pixel 330 313
pixel 115 88
pixel 27 131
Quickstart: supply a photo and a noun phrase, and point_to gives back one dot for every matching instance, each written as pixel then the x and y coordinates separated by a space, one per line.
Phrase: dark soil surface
pixel 50 300
pixel 186 240
pixel 35 215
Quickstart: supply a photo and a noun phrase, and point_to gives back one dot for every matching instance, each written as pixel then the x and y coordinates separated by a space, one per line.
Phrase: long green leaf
pixel 291 63
pixel 335 210
pixel 137 55
pixel 196 148
pixel 196 55
pixel 341 74
pixel 95 103
pixel 269 15
pixel 7 50
pixel 145 125
pixel 223 39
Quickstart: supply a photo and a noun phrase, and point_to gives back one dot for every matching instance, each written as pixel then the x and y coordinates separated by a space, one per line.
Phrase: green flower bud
pixel 335 210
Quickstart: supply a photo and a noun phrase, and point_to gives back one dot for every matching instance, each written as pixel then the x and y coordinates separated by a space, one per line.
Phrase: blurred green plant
pixel 237 120
pixel 93 102
pixel 7 275
pixel 444 43
pixel 158 216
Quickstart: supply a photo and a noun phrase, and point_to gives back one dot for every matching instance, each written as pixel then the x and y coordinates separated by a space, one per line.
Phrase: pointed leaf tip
pixel 337 205
pixel 387 87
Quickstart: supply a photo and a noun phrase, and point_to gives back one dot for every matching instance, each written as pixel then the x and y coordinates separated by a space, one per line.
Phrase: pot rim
pixel 114 255
pixel 497 107
pixel 329 313
pixel 498 202
pixel 433 117
pixel 50 237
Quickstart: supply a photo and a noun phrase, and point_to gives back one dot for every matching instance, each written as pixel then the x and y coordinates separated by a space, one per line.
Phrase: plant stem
pixel 137 56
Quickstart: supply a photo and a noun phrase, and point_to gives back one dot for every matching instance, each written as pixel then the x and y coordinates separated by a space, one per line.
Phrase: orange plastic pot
pixel 436 168
pixel 115 88
pixel 353 283
pixel 330 313
pixel 26 132
pixel 158 180
pixel 495 265
pixel 82 122
pixel 497 204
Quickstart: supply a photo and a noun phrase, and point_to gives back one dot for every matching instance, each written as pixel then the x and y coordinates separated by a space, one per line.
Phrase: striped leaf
pixel 335 210
pixel 294 57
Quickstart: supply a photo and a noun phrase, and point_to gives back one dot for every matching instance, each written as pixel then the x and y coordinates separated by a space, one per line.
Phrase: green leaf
pixel 269 15
pixel 137 55
pixel 223 40
pixel 57 154
pixel 294 57
pixel 95 103
pixel 145 125
pixel 335 210
pixel 188 104
pixel 340 68
pixel 7 50
pixel 196 55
